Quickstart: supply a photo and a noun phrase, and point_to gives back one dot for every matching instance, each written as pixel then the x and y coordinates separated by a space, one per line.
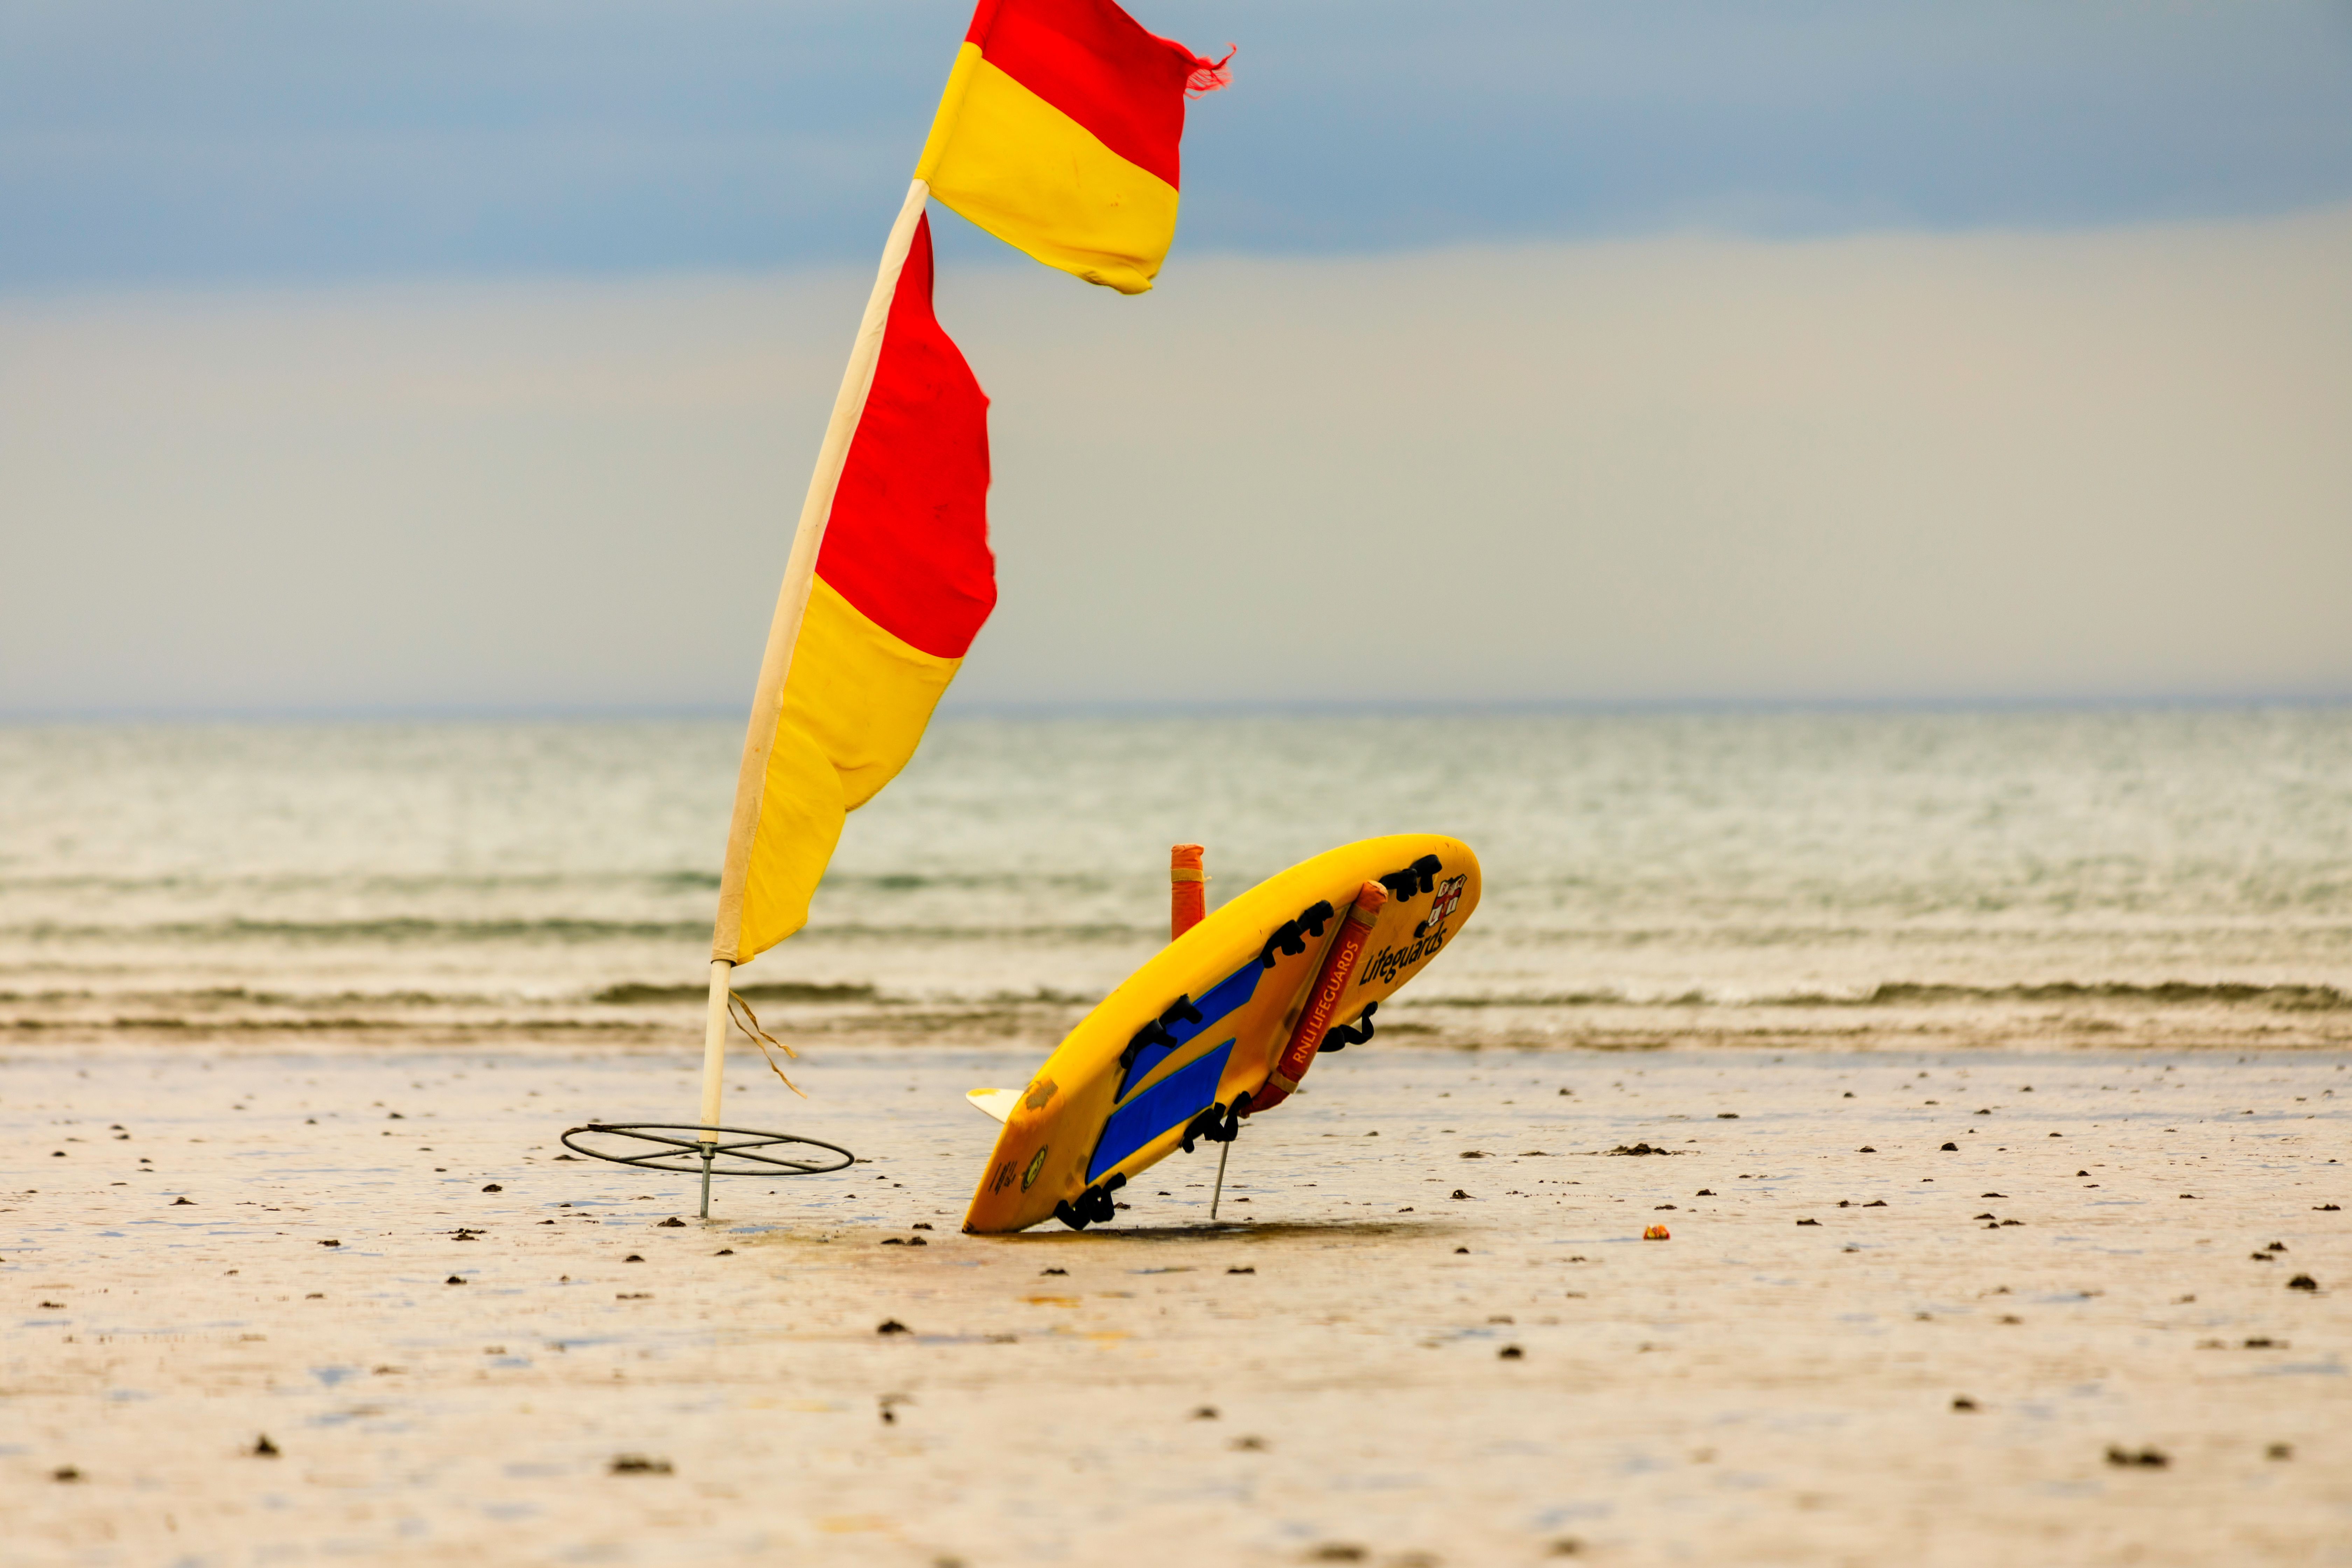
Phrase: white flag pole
pixel 714 1041
pixel 784 631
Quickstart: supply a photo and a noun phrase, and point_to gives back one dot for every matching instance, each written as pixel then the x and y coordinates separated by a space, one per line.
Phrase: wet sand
pixel 1426 1333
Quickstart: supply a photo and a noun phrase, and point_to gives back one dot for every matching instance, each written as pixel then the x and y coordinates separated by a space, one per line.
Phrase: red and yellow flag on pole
pixel 1058 132
pixel 889 580
pixel 1058 135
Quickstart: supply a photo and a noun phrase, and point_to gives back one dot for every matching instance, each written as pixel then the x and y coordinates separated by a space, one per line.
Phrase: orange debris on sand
pixel 1656 1233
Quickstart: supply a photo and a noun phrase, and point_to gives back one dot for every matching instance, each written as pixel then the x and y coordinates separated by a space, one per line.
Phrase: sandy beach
pixel 1728 620
pixel 1427 1331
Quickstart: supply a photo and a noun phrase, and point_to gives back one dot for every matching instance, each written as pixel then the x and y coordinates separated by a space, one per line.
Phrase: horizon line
pixel 970 253
pixel 1071 709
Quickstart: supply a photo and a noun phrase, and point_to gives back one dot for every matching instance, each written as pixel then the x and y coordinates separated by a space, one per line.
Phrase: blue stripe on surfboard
pixel 1170 1103
pixel 1233 990
pixel 1145 1060
pixel 1215 1004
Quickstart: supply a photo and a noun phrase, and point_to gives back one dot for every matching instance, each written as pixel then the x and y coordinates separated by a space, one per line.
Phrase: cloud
pixel 1902 465
pixel 154 142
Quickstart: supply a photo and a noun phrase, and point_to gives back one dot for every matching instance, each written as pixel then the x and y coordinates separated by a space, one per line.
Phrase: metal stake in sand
pixel 686 1146
pixel 1219 1190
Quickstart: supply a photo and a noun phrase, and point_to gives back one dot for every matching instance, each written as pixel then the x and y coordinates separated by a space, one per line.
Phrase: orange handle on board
pixel 1323 1002
pixel 1187 888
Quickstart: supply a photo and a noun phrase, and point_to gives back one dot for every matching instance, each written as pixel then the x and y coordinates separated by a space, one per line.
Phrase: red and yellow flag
pixel 1058 133
pixel 903 580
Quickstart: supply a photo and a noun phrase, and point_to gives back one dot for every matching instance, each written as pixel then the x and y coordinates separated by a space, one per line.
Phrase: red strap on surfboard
pixel 1187 888
pixel 1323 1001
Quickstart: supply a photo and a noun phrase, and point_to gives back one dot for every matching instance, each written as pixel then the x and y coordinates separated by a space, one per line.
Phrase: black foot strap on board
pixel 1156 1033
pixel 1419 876
pixel 1218 1124
pixel 1339 1037
pixel 1291 936
pixel 1093 1206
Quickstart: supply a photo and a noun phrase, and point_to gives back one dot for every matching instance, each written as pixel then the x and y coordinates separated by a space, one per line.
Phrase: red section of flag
pixel 908 540
pixel 1096 64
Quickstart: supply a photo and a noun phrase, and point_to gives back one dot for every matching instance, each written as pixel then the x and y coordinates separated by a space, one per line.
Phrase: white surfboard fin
pixel 997 1103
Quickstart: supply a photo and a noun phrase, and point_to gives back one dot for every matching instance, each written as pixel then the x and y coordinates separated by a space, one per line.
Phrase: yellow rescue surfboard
pixel 1167 1054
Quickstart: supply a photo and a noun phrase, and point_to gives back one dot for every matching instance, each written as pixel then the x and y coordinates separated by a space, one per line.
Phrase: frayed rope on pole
pixel 749 1022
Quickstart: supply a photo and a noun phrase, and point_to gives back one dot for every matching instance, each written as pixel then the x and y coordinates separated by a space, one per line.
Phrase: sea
pixel 2094 880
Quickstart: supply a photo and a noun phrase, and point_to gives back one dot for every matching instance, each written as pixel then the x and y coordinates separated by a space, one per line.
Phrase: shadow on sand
pixel 1232 1230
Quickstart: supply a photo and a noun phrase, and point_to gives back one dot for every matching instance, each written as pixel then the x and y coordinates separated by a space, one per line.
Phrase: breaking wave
pixel 635 993
pixel 412 931
pixel 1911 993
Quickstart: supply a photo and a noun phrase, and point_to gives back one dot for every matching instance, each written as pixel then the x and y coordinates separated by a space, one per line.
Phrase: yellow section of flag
pixel 890 577
pixel 1035 178
pixel 854 707
pixel 860 693
pixel 799 821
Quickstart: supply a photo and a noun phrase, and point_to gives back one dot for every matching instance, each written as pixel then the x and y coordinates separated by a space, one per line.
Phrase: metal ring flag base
pixel 688 1147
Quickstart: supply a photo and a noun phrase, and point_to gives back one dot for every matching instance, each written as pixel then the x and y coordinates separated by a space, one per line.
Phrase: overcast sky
pixel 366 357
